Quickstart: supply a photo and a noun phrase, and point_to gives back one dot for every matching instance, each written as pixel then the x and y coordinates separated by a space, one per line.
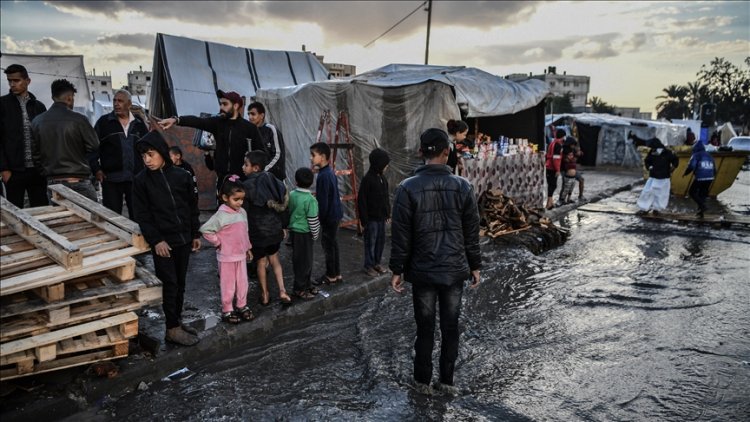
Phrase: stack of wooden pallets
pixel 68 284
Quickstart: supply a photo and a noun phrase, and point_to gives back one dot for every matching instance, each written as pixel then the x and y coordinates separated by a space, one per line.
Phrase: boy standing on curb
pixel 304 228
pixel 165 208
pixel 374 210
pixel 329 204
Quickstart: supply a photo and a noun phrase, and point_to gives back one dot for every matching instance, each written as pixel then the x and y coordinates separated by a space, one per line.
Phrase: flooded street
pixel 631 319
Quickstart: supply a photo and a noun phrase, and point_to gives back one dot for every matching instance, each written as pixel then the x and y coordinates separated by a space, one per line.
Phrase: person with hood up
pixel 374 210
pixel 165 207
pixel 702 164
pixel 660 163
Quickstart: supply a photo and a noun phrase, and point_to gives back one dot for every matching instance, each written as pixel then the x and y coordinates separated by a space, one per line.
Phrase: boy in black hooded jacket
pixel 165 207
pixel 374 210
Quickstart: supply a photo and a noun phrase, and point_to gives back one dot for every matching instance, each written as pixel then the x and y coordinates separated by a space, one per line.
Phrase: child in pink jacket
pixel 227 230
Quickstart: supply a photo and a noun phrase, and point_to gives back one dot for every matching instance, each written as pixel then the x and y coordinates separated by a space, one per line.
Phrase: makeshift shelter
pixel 389 107
pixel 604 138
pixel 43 69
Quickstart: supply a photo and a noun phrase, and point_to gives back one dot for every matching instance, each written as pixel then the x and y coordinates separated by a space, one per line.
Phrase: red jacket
pixel 554 155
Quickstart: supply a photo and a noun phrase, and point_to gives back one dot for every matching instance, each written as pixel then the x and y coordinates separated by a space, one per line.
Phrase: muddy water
pixel 629 320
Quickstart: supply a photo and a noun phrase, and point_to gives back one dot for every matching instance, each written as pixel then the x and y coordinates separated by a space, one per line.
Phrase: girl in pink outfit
pixel 227 230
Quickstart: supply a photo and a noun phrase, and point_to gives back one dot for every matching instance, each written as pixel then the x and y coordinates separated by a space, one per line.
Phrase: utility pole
pixel 429 19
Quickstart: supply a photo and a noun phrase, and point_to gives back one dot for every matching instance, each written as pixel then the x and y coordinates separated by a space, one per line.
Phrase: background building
pixel 100 83
pixel 336 70
pixel 139 81
pixel 577 86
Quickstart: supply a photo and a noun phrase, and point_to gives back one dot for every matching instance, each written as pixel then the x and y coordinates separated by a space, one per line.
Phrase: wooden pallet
pixel 41 248
pixel 86 299
pixel 714 219
pixel 78 345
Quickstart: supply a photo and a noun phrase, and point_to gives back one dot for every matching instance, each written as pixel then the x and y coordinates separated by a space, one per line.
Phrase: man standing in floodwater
pixel 435 246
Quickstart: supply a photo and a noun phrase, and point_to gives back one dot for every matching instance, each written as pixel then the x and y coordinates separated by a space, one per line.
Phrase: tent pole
pixel 429 19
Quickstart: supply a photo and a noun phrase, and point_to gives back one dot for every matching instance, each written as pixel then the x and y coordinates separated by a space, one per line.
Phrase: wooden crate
pixel 88 298
pixel 82 344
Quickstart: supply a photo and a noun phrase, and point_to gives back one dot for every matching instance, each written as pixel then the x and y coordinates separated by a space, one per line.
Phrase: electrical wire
pixel 396 24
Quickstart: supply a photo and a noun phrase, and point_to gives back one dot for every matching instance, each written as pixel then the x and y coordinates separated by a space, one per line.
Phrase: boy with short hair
pixel 330 212
pixel 304 228
pixel 267 199
pixel 175 154
pixel 374 210
pixel 166 210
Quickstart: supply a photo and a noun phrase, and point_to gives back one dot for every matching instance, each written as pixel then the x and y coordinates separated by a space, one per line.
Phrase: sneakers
pixel 425 389
pixel 445 388
pixel 371 272
pixel 380 269
pixel 179 336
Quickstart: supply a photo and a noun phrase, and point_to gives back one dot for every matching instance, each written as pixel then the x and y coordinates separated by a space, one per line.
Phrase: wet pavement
pixel 629 320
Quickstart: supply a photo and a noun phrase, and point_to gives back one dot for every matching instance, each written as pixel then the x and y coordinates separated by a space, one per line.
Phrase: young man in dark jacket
pixel 374 210
pixel 17 109
pixel 272 138
pixel 167 212
pixel 702 164
pixel 435 247
pixel 329 211
pixel 234 135
pixel 116 162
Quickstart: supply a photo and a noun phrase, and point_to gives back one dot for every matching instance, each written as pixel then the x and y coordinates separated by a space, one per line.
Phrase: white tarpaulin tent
pixel 187 73
pixel 612 144
pixel 43 69
pixel 389 107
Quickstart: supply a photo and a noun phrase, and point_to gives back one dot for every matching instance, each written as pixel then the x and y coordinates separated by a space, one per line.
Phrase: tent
pixel 604 138
pixel 187 73
pixel 389 107
pixel 43 69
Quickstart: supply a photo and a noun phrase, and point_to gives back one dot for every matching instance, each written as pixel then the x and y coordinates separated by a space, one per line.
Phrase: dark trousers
pixel 84 187
pixel 699 192
pixel 112 193
pixel 30 182
pixel 449 298
pixel 302 259
pixel 374 242
pixel 172 272
pixel 331 248
pixel 551 182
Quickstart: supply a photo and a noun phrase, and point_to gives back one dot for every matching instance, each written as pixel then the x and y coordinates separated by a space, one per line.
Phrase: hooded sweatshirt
pixel 227 230
pixel 701 163
pixel 164 200
pixel 660 161
pixel 373 200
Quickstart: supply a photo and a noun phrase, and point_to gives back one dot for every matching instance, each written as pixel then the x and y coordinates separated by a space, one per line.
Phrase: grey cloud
pixel 594 47
pixel 53 44
pixel 205 12
pixel 130 57
pixel 141 41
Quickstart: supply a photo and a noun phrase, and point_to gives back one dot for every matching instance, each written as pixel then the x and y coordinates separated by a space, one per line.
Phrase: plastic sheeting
pixel 187 73
pixel 44 69
pixel 478 93
pixel 613 145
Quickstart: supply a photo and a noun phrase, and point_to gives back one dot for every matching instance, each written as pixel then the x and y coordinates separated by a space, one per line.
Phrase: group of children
pixel 255 216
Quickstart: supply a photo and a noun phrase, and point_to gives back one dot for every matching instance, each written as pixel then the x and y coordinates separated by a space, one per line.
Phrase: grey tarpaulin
pixel 389 108
pixel 612 145
pixel 43 69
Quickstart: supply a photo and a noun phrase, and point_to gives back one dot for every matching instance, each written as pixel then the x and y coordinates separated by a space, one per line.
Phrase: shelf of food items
pixel 485 147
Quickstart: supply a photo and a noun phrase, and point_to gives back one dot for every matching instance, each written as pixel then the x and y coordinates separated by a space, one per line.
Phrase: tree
pixel 559 105
pixel 674 104
pixel 728 86
pixel 599 106
pixel 697 94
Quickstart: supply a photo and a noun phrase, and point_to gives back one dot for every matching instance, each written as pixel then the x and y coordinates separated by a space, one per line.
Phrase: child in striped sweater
pixel 304 228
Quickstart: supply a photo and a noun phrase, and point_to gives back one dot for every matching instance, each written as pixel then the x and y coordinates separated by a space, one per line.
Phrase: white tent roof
pixel 478 93
pixel 188 72
pixel 43 69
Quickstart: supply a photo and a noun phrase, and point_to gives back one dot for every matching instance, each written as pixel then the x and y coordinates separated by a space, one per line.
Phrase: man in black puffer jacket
pixel 435 245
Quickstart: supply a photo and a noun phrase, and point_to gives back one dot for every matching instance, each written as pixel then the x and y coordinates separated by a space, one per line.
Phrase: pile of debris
pixel 500 216
pixel 68 284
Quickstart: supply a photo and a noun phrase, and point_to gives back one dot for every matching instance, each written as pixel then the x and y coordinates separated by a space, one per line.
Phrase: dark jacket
pixel 11 130
pixel 163 201
pixel 116 156
pixel 435 231
pixel 64 141
pixel 234 138
pixel 660 161
pixel 372 199
pixel 327 194
pixel 274 147
pixel 265 224
pixel 702 163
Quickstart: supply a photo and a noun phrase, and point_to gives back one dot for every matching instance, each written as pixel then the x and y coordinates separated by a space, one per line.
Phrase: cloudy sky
pixel 631 50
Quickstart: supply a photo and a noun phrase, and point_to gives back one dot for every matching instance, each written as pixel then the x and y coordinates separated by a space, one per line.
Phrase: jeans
pixel 374 243
pixel 699 192
pixel 172 272
pixel 331 248
pixel 449 298
pixel 112 193
pixel 302 259
pixel 84 187
pixel 30 182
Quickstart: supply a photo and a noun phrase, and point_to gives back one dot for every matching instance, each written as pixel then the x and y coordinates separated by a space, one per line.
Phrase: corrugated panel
pixel 192 78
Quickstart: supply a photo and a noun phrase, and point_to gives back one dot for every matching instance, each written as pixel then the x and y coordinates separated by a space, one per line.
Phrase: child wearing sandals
pixel 304 228
pixel 227 230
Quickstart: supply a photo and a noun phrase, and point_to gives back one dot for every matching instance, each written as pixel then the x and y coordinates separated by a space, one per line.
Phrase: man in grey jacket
pixel 63 141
